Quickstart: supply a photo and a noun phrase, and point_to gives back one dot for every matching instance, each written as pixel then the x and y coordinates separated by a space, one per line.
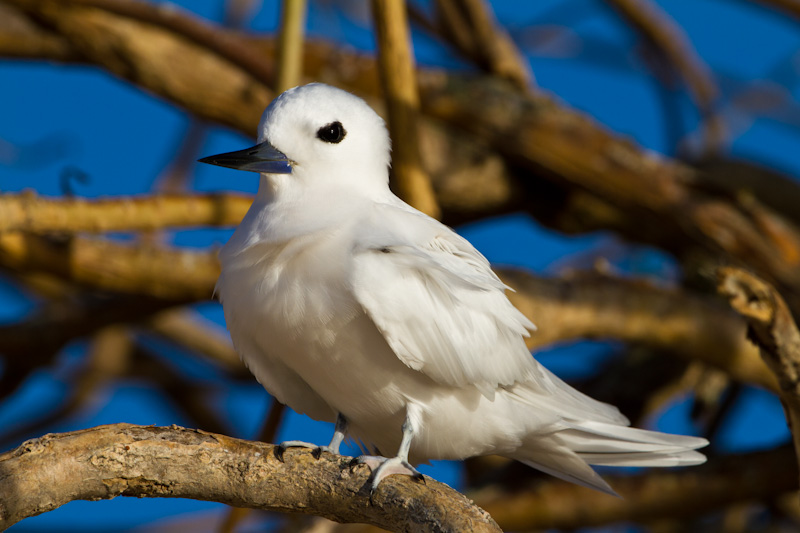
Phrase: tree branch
pixel 290 45
pixel 31 213
pixel 148 270
pixel 399 82
pixel 470 26
pixel 671 42
pixel 772 328
pixel 128 460
pixel 635 311
pixel 679 494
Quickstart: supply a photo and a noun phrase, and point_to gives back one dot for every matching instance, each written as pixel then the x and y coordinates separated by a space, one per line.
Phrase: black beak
pixel 260 158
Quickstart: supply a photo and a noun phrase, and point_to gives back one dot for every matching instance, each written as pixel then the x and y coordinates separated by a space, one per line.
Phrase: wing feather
pixel 439 305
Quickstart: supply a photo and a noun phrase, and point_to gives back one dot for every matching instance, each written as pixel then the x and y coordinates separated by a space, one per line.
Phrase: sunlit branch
pixel 127 460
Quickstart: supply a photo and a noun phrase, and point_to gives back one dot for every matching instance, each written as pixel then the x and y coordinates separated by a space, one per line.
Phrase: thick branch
pixel 127 460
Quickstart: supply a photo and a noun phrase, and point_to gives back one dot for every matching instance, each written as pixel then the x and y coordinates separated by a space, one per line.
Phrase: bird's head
pixel 317 132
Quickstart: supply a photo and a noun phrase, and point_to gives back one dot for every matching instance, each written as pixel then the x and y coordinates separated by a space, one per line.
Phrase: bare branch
pixel 669 39
pixel 20 38
pixel 637 312
pixel 290 46
pixel 470 26
pixel 226 44
pixel 202 336
pixel 32 213
pixel 396 65
pixel 773 329
pixel 127 460
pixel 792 7
pixel 170 274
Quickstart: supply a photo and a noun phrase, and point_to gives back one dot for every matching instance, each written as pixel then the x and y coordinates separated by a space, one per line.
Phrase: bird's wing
pixel 438 303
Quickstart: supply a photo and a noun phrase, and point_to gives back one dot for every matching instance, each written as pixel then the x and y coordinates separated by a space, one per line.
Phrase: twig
pixel 671 42
pixel 36 214
pixel 189 330
pixel 773 329
pixel 128 460
pixel 396 66
pixel 290 45
pixel 108 358
pixel 470 26
pixel 791 7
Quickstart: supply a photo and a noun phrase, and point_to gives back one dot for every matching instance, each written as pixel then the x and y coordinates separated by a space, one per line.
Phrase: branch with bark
pixel 772 328
pixel 128 460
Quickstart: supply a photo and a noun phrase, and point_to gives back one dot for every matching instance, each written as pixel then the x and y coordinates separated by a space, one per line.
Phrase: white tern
pixel 351 306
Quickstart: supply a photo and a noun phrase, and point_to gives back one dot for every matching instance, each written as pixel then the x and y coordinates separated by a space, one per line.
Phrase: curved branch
pixel 128 460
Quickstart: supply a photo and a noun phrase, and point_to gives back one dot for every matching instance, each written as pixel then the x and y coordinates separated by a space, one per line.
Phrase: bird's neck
pixel 298 189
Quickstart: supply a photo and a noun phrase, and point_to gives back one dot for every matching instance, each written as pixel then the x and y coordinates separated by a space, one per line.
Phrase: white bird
pixel 351 306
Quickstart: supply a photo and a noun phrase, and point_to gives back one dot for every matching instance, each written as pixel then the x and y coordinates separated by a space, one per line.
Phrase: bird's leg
pixel 382 467
pixel 338 436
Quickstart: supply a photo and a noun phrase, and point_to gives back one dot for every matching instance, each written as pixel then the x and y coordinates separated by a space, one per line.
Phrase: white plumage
pixel 344 300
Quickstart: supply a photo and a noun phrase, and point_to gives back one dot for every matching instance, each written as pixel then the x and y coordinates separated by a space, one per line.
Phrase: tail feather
pixel 565 464
pixel 601 438
pixel 685 458
pixel 568 453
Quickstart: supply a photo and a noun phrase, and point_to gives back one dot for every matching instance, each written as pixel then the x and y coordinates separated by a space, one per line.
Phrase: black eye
pixel 332 133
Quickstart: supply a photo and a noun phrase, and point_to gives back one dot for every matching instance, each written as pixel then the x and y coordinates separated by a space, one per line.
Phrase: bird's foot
pixel 382 467
pixel 316 450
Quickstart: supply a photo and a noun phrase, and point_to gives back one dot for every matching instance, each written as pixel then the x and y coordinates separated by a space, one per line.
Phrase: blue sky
pixel 119 139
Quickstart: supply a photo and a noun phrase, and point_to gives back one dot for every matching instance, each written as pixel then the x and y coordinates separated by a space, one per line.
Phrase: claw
pixel 281 448
pixel 382 467
pixel 316 451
